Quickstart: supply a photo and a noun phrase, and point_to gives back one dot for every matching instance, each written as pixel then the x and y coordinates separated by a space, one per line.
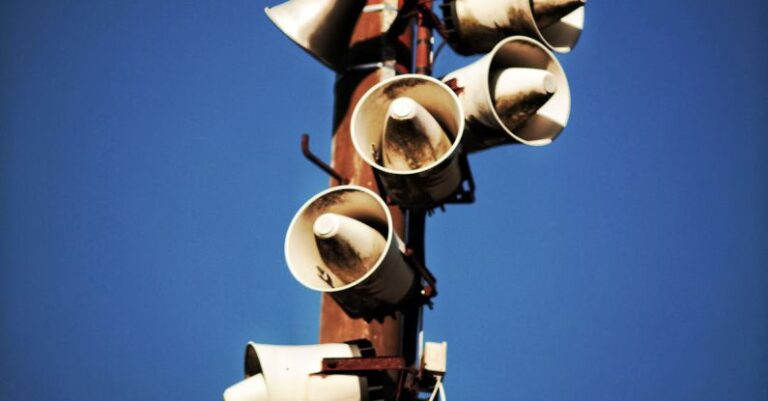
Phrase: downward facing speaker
pixel 409 128
pixel 342 242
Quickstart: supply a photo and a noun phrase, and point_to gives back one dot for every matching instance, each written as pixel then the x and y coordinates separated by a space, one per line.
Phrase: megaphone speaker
pixel 321 27
pixel 409 128
pixel 476 26
pixel 288 373
pixel 342 242
pixel 518 93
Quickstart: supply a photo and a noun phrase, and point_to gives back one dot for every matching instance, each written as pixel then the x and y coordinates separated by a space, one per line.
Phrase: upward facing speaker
pixel 321 27
pixel 475 26
pixel 517 93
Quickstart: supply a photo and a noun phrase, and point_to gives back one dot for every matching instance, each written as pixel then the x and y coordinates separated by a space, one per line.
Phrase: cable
pixel 436 54
pixel 438 387
pixel 442 392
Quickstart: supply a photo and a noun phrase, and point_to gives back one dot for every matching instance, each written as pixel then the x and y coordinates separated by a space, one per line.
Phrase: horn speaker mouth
pixel 475 27
pixel 301 251
pixel 368 118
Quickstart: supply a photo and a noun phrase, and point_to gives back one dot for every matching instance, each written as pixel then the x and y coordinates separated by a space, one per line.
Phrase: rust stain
pixel 405 148
pixel 344 262
pixel 397 88
pixel 515 111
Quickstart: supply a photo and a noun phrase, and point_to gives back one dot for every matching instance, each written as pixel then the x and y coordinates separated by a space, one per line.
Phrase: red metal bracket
pixel 319 162
pixel 454 85
pixel 430 291
pixel 350 365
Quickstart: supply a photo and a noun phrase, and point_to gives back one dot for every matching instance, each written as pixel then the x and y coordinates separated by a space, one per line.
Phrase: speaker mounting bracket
pixel 464 194
pixel 409 379
pixel 319 162
pixel 430 290
pixel 422 9
pixel 361 364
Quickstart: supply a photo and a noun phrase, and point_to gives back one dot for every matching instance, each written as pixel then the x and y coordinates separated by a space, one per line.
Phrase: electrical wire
pixel 436 53
pixel 438 387
pixel 442 392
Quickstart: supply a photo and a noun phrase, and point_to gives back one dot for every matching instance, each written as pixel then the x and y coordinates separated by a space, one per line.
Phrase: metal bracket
pixel 388 64
pixel 364 364
pixel 430 291
pixel 466 192
pixel 319 162
pixel 408 379
pixel 431 20
pixel 382 189
pixel 368 365
pixel 413 8
pixel 454 85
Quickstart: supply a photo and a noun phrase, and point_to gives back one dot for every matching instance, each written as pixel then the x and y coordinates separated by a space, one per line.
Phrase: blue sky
pixel 150 165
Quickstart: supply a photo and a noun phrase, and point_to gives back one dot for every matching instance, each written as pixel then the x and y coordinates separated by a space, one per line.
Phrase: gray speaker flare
pixel 287 373
pixel 409 128
pixel 518 93
pixel 476 26
pixel 342 242
pixel 321 27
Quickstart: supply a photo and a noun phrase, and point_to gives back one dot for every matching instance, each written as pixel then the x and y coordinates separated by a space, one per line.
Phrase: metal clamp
pixel 430 290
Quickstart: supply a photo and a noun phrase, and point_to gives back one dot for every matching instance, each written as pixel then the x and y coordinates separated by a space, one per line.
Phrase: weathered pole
pixel 368 47
pixel 424 43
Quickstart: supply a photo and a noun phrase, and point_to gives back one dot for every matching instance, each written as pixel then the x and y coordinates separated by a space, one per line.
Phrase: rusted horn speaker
pixel 475 26
pixel 342 242
pixel 321 27
pixel 290 373
pixel 409 128
pixel 518 93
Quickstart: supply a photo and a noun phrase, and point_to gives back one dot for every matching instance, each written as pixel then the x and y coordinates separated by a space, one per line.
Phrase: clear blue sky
pixel 150 165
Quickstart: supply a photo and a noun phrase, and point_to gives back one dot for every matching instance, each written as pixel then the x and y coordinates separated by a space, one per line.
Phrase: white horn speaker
pixel 342 242
pixel 409 128
pixel 518 93
pixel 288 373
pixel 321 27
pixel 475 26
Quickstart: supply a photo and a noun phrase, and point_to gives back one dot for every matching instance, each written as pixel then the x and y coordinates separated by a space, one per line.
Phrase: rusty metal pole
pixel 416 221
pixel 424 43
pixel 367 47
